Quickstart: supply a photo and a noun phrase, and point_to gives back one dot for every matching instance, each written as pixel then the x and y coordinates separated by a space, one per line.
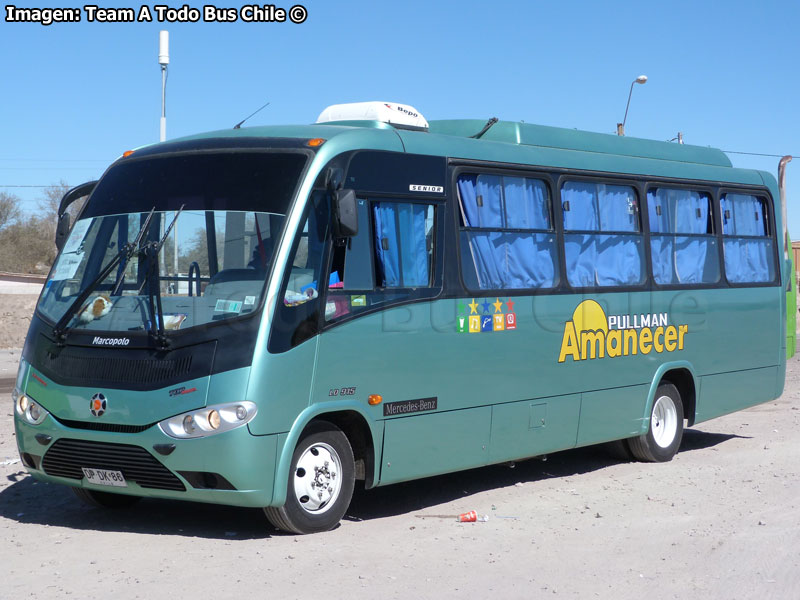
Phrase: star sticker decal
pixel 498 306
pixel 473 307
pixel 510 305
pixel 486 304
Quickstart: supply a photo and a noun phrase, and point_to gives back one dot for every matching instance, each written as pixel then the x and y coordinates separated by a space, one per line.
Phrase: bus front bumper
pixel 234 468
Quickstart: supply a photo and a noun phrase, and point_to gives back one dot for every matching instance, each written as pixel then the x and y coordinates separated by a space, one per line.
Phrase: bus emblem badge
pixel 486 323
pixel 470 319
pixel 499 322
pixel 462 325
pixel 97 405
pixel 511 321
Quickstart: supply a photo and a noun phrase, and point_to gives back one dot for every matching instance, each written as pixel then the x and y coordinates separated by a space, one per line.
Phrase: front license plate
pixel 104 477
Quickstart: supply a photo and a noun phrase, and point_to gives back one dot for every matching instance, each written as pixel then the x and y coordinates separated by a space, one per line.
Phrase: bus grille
pixel 118 370
pixel 66 457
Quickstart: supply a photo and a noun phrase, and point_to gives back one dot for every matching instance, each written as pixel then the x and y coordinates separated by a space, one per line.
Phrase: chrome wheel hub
pixel 664 421
pixel 317 478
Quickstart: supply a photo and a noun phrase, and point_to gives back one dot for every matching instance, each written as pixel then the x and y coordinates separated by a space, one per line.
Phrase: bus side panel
pixel 280 384
pixel 534 427
pixel 734 329
pixel 611 414
pixel 435 443
pixel 728 392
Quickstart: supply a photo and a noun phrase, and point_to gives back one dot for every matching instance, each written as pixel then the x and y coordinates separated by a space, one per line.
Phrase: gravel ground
pixel 15 314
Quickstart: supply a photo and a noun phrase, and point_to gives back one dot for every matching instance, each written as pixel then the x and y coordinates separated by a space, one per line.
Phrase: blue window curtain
pixel 604 259
pixel 749 253
pixel 579 204
pixel 483 246
pixel 688 258
pixel 617 208
pixel 743 215
pixel 526 203
pixel 502 258
pixel 401 244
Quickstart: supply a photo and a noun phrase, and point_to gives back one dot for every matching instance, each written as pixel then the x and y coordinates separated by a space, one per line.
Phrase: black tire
pixel 620 450
pixel 105 499
pixel 307 509
pixel 663 437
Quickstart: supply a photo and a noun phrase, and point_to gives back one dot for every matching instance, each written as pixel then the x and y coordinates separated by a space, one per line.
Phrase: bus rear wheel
pixel 321 481
pixel 663 437
pixel 104 499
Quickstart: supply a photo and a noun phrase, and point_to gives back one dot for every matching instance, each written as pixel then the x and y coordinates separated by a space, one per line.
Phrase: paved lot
pixel 20 287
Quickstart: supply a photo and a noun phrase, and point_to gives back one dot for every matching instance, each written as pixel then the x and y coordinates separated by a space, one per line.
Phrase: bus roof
pixel 517 143
pixel 585 141
pixel 503 131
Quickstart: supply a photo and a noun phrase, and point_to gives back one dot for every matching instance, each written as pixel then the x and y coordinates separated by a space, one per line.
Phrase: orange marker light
pixel 127 153
pixel 375 399
pixel 315 142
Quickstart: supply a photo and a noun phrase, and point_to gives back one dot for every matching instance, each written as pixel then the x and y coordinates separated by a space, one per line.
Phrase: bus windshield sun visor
pixel 225 181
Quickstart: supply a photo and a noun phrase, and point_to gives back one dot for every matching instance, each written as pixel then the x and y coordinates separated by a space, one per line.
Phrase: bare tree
pixel 27 242
pixel 9 209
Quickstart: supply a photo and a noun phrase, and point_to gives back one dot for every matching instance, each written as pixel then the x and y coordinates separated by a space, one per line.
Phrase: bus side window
pixel 391 258
pixel 296 317
pixel 403 236
pixel 507 235
pixel 602 235
pixel 683 247
pixel 357 265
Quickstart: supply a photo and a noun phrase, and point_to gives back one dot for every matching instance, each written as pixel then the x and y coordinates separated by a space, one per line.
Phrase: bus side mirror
pixel 345 217
pixel 62 227
pixel 62 231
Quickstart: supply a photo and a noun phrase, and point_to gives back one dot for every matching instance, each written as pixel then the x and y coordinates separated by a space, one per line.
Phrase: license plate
pixel 104 477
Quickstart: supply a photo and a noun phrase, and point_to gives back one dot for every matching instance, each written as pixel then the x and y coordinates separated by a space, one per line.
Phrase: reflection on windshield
pixel 212 267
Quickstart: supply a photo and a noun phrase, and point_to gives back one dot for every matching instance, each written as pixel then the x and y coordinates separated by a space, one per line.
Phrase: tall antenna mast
pixel 163 60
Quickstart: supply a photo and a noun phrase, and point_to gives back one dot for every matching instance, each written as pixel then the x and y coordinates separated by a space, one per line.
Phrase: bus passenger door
pixel 380 339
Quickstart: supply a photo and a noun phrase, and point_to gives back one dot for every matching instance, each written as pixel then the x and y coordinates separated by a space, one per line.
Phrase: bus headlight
pixel 28 409
pixel 209 421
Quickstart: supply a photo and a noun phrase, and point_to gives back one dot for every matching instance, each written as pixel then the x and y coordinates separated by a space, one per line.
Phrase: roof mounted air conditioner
pixel 401 116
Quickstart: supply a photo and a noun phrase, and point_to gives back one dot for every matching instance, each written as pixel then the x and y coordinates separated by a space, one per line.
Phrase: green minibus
pixel 263 316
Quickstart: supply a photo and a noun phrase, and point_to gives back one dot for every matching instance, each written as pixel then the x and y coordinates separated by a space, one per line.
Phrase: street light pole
pixel 642 79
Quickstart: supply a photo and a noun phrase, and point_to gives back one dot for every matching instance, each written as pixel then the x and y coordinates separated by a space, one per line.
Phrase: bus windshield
pixel 198 231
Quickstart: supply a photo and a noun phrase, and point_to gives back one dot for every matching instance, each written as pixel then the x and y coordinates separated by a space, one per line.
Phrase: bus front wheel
pixel 663 437
pixel 321 481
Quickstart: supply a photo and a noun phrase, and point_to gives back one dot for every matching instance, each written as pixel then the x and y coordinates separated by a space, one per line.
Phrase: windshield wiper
pixel 151 252
pixel 128 250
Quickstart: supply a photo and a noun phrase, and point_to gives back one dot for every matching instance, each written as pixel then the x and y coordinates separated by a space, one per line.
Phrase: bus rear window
pixel 748 245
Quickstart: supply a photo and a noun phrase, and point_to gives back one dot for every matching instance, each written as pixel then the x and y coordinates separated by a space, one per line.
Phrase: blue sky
pixel 76 95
